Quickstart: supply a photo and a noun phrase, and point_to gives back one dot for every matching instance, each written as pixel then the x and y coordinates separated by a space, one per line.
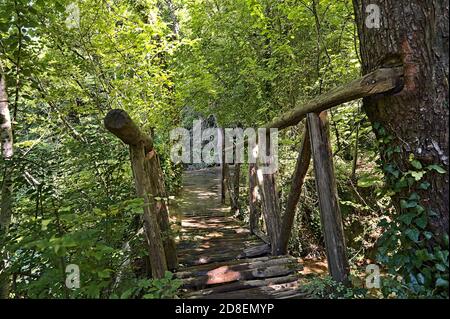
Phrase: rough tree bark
pixel 223 168
pixel 6 137
pixel 414 34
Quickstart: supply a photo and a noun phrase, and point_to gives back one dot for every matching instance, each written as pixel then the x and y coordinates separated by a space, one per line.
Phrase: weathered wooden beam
pixel 253 198
pixel 223 167
pixel 121 125
pixel 301 168
pixel 271 210
pixel 379 81
pixel 149 182
pixel 241 285
pixel 151 226
pixel 328 199
pixel 157 188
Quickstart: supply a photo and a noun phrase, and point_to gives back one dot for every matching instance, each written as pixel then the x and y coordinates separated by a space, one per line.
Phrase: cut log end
pixel 121 125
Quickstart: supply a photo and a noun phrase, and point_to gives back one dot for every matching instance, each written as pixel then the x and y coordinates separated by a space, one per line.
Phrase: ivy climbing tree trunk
pixel 6 136
pixel 413 34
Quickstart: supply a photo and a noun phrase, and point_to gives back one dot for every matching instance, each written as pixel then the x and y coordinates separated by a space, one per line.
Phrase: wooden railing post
pixel 328 199
pixel 269 197
pixel 253 197
pixel 223 167
pixel 158 189
pixel 152 231
pixel 149 184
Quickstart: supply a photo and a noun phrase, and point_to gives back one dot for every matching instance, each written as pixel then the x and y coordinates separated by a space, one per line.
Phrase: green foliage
pixel 327 288
pixel 407 247
pixel 164 288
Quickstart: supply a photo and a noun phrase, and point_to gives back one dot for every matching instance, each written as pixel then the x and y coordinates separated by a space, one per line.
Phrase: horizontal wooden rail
pixel 379 81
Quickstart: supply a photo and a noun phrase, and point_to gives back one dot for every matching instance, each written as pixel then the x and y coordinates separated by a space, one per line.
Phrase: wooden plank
pixel 240 285
pixel 228 276
pixel 379 81
pixel 328 199
pixel 255 251
pixel 237 265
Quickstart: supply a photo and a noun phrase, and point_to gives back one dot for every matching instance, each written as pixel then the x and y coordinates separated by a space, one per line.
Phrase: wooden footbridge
pixel 216 256
pixel 219 256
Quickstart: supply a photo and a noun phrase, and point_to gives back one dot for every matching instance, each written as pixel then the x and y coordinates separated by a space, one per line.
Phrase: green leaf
pixel 407 218
pixel 424 185
pixel 417 175
pixel 421 221
pixel 413 234
pixel 441 282
pixel 105 273
pixel 407 204
pixel 416 164
pixel 436 168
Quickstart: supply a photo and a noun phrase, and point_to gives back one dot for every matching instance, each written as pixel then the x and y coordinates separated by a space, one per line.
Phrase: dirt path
pixel 219 256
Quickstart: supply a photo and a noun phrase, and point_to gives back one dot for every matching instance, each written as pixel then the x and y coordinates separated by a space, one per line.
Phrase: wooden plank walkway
pixel 219 256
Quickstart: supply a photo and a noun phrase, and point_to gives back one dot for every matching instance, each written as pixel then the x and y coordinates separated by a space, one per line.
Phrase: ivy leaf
pixel 424 185
pixel 421 221
pixel 441 282
pixel 407 218
pixel 412 234
pixel 436 168
pixel 416 164
pixel 428 235
pixel 417 175
pixel 407 204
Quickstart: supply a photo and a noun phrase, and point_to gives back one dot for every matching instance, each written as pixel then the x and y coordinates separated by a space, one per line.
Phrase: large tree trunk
pixel 413 34
pixel 6 136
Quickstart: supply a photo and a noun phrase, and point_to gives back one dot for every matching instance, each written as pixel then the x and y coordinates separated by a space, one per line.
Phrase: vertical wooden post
pixel 236 207
pixel 157 188
pixel 328 200
pixel 223 167
pixel 149 184
pixel 252 197
pixel 151 226
pixel 270 203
